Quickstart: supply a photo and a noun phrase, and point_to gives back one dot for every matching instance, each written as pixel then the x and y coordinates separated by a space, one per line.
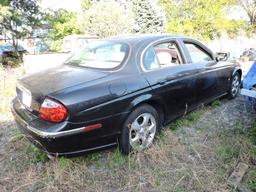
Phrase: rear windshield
pixel 100 55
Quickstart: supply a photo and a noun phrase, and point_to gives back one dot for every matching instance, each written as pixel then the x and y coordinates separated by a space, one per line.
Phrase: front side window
pixel 162 55
pixel 197 55
pixel 150 60
pixel 100 55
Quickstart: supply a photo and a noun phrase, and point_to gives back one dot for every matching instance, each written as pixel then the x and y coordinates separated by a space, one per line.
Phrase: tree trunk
pixel 15 45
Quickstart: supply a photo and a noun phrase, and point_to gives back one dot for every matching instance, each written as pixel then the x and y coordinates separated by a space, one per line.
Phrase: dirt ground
pixel 197 153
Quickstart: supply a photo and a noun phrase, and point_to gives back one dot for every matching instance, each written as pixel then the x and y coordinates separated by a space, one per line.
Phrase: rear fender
pixel 150 100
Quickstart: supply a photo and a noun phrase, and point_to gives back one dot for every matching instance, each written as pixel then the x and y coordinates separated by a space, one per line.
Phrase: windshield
pixel 100 55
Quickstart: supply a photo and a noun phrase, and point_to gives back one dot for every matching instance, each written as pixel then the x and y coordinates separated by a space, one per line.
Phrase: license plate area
pixel 26 98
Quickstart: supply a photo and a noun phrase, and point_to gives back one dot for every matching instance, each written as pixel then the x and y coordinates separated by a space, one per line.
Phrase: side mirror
pixel 222 56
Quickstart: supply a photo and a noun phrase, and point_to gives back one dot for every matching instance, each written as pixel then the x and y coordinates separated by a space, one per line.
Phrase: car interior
pixel 162 55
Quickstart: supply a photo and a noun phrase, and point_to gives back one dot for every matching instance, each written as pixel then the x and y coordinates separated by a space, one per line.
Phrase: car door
pixel 164 67
pixel 212 79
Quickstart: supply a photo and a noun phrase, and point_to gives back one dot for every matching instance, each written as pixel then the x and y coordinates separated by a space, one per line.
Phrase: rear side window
pixel 197 54
pixel 161 55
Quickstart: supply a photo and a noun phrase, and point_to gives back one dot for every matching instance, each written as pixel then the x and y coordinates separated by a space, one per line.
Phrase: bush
pixel 12 59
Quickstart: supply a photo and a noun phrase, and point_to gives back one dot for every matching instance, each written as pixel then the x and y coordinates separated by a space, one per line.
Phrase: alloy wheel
pixel 235 85
pixel 142 131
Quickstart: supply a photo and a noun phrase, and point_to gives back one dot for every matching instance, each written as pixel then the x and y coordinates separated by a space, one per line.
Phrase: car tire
pixel 234 85
pixel 139 130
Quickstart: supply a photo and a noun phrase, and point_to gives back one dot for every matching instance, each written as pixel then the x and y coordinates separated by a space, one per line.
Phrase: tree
pixel 19 18
pixel 199 18
pixel 149 16
pixel 61 23
pixel 86 4
pixel 106 18
pixel 250 7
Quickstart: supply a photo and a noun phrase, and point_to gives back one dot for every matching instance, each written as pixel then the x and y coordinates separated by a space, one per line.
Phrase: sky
pixel 70 5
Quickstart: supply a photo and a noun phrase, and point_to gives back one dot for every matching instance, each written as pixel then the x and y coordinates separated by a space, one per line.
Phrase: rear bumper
pixel 43 134
pixel 63 142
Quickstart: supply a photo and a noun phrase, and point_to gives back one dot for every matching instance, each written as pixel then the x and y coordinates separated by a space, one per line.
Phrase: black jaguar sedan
pixel 120 91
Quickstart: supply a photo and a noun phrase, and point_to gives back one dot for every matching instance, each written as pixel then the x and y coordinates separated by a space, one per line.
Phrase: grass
pixel 226 153
pixel 64 163
pixel 196 154
pixel 252 133
pixel 36 155
pixel 117 159
pixel 17 136
pixel 238 144
pixel 251 180
pixel 216 103
pixel 186 120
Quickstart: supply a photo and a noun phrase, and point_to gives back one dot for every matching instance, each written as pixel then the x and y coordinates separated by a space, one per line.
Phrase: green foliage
pixel 62 23
pixel 216 103
pixel 4 2
pixel 18 18
pixel 17 136
pixel 64 163
pixel 251 181
pixel 86 4
pixel 117 159
pixel 226 152
pixel 199 18
pixel 252 133
pixel 186 120
pixel 149 17
pixel 106 18
pixel 194 116
pixel 237 144
pixel 94 157
pixel 13 59
pixel 36 155
pixel 4 13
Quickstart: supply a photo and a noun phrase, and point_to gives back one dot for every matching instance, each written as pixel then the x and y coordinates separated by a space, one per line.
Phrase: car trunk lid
pixel 32 89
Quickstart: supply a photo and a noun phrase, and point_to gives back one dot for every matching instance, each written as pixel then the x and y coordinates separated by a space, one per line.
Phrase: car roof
pixel 143 37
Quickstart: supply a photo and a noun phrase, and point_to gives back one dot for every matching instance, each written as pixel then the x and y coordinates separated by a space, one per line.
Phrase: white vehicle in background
pixel 38 62
pixel 72 43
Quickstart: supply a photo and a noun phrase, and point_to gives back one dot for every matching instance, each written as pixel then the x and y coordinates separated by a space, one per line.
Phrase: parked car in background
pixel 249 55
pixel 73 43
pixel 120 91
pixel 41 47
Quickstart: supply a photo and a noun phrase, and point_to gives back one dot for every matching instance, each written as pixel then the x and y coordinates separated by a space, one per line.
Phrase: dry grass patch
pixel 194 153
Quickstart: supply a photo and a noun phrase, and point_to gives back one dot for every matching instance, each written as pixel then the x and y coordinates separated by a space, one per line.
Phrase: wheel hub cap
pixel 142 131
pixel 235 85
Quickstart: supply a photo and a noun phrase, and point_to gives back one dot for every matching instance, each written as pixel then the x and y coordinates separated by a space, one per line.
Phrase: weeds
pixel 94 157
pixel 216 103
pixel 252 133
pixel 117 159
pixel 64 163
pixel 186 120
pixel 17 136
pixel 226 152
pixel 36 155
pixel 251 180
pixel 169 165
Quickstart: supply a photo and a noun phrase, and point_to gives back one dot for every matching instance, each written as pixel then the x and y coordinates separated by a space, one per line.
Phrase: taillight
pixel 53 111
